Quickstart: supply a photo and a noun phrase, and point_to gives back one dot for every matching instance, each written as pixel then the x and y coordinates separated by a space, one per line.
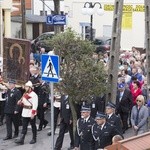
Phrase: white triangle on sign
pixel 49 70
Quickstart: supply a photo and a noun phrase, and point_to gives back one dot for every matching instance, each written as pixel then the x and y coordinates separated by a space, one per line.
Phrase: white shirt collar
pixel 87 118
pixel 110 115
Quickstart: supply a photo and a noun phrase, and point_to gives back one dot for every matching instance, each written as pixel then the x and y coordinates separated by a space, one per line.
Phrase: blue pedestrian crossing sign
pixel 50 68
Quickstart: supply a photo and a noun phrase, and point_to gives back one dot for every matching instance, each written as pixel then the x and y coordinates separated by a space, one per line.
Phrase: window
pixel 98 42
pixel 41 13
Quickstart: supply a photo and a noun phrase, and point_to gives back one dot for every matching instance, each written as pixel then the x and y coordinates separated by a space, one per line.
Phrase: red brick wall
pixel 28 4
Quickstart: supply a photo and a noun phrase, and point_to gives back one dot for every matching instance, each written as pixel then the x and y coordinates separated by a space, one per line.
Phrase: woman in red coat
pixel 136 91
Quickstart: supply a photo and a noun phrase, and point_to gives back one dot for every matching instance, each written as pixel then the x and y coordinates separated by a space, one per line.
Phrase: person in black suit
pixel 112 118
pixel 11 110
pixel 66 122
pixel 56 111
pixel 43 100
pixel 83 136
pixel 97 104
pixel 100 103
pixel 123 104
pixel 3 90
pixel 35 78
pixel 103 132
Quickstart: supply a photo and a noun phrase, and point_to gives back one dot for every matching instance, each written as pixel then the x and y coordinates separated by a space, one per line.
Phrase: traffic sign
pixel 56 19
pixel 50 68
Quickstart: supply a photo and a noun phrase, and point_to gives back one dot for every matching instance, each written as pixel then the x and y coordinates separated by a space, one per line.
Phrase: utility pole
pixel 57 28
pixel 147 34
pixel 1 29
pixel 114 51
pixel 23 10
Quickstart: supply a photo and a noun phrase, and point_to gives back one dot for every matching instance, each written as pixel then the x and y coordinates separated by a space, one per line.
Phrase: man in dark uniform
pixel 103 132
pixel 11 110
pixel 66 122
pixel 43 100
pixel 83 136
pixel 35 78
pixel 3 92
pixel 112 118
pixel 56 111
pixel 123 104
pixel 97 104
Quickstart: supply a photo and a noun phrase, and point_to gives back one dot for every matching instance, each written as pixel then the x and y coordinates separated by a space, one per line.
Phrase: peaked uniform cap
pixel 85 109
pixel 12 81
pixel 111 105
pixel 100 115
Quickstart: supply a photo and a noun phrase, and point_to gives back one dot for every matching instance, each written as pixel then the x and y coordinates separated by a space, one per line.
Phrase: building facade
pixel 133 25
pixel 36 10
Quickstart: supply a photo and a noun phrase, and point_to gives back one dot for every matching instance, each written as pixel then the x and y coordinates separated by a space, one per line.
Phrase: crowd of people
pixel 98 124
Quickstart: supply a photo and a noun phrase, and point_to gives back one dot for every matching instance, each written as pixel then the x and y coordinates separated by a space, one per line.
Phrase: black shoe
pixel 39 129
pixel 32 141
pixel 1 123
pixel 57 148
pixel 45 124
pixel 71 147
pixel 7 138
pixel 15 136
pixel 20 141
pixel 49 133
pixel 124 130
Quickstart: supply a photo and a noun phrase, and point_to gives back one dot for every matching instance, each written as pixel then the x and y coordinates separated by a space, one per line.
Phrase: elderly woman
pixel 135 90
pixel 139 116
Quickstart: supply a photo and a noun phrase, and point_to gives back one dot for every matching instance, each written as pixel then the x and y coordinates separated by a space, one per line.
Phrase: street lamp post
pixel 88 9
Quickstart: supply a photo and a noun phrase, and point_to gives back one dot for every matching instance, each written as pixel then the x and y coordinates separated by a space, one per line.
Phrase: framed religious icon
pixel 16 57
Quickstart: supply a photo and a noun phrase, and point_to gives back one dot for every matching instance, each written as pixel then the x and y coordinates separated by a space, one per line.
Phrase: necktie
pixel 100 127
pixel 137 116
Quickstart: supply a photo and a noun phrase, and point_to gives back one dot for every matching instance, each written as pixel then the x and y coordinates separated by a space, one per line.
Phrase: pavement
pixel 43 141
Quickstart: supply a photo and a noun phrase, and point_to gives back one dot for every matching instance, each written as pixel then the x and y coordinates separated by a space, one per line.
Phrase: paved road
pixel 43 141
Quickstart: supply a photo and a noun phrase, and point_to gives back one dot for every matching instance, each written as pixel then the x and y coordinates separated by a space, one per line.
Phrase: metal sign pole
pixel 52 116
pixel 50 73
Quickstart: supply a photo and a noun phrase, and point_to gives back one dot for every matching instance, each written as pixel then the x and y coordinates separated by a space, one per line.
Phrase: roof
pixel 140 142
pixel 30 19
pixel 103 38
pixel 137 142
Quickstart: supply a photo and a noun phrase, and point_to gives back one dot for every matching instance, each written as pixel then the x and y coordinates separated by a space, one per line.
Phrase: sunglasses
pixel 138 101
